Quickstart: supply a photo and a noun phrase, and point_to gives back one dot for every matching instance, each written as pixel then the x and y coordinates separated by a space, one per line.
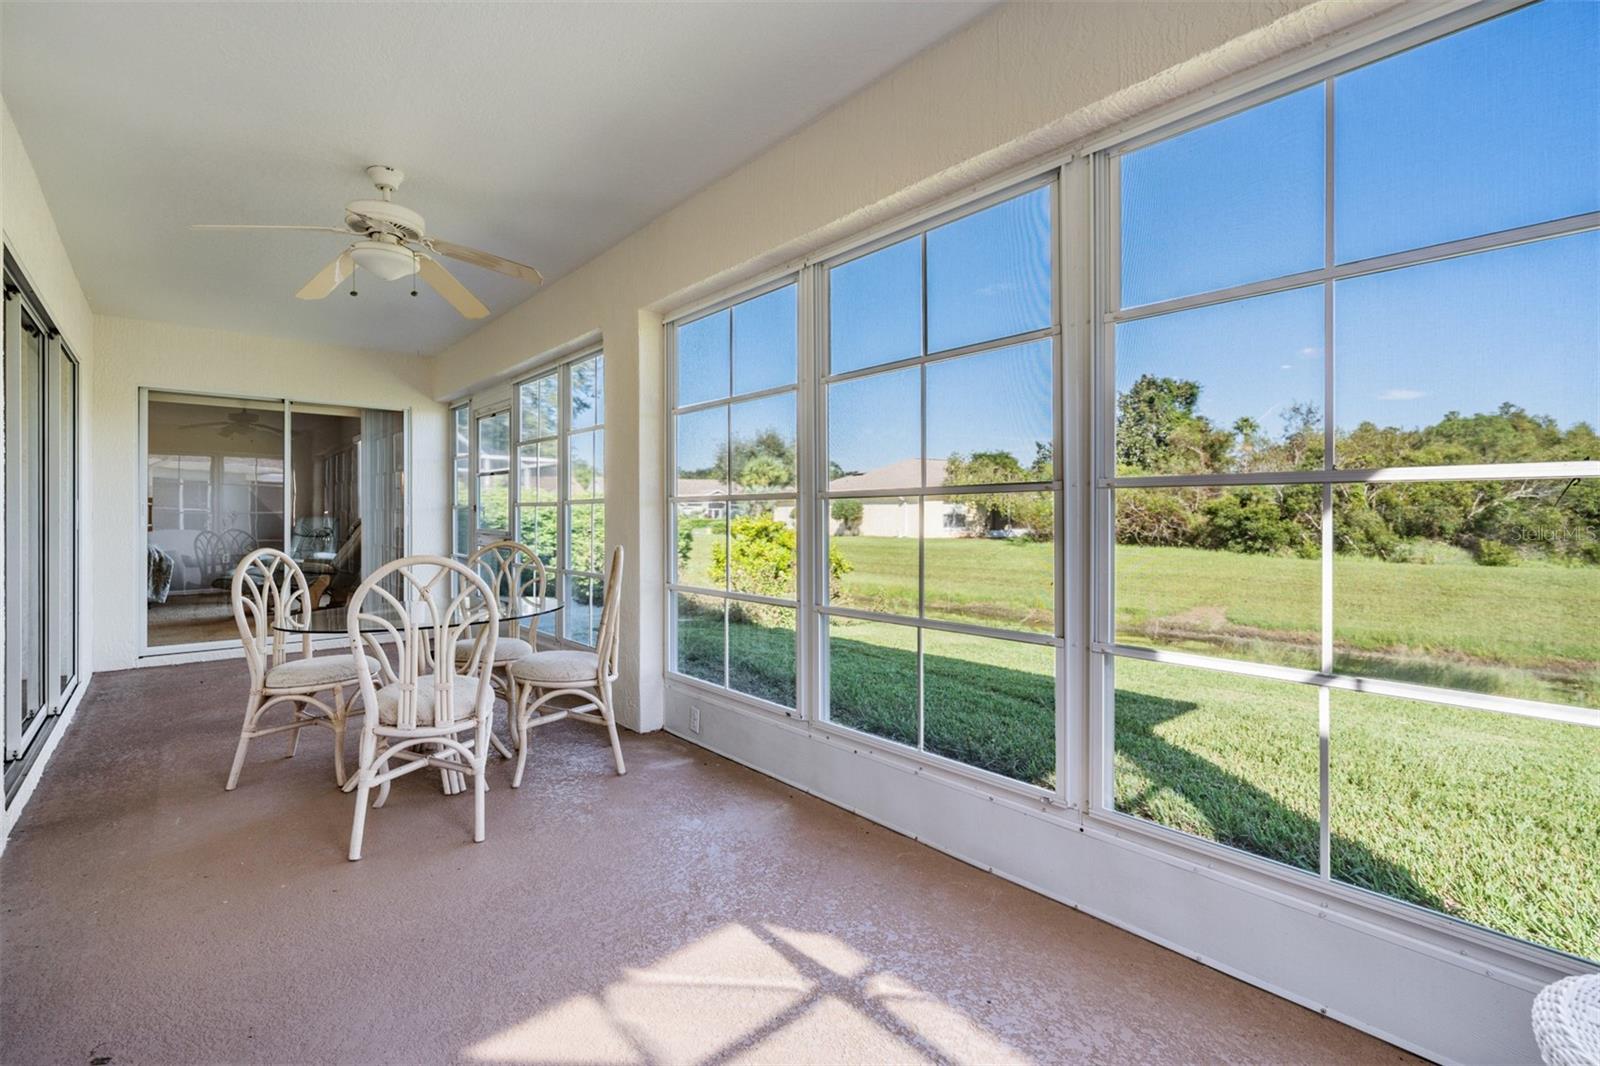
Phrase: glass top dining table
pixel 378 617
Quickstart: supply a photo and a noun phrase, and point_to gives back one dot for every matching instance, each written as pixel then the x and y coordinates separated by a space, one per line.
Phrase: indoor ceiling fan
pixel 240 422
pixel 394 244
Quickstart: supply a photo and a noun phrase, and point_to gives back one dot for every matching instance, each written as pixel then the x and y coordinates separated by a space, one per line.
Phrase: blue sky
pixel 1491 128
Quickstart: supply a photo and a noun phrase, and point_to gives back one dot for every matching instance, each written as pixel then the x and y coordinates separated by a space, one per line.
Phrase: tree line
pixel 1500 522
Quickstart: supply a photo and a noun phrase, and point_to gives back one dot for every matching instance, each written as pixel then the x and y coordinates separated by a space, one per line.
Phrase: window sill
pixel 1029 798
pixel 1517 962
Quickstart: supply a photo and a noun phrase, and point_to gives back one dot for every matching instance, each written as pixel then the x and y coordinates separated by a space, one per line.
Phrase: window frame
pixel 820 610
pixel 814 497
pixel 559 573
pixel 565 433
pixel 60 508
pixel 796 496
pixel 459 412
pixel 483 534
pixel 1102 285
pixel 1085 252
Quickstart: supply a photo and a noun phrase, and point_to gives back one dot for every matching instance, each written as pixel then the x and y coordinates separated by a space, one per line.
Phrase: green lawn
pixel 1525 631
pixel 1491 818
pixel 1487 817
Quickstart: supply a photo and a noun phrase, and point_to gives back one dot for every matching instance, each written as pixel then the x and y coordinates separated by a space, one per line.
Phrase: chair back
pixel 512 571
pixel 423 607
pixel 267 586
pixel 210 556
pixel 609 644
pixel 236 544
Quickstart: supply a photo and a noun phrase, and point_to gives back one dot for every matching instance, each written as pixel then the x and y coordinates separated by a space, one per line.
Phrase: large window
pixel 926 568
pixel 461 481
pixel 1316 475
pixel 555 427
pixel 41 505
pixel 734 496
pixel 583 444
pixel 494 475
pixel 940 627
pixel 1349 480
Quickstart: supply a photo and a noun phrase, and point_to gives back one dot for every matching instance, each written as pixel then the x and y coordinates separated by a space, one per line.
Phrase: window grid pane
pixel 900 543
pixel 733 446
pixel 1485 358
pixel 560 513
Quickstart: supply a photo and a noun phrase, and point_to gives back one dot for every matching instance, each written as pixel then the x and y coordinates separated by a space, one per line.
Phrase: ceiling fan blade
pixel 455 293
pixel 329 277
pixel 309 229
pixel 485 260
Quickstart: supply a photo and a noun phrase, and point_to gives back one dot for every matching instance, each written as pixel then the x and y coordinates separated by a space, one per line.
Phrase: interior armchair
pixel 333 573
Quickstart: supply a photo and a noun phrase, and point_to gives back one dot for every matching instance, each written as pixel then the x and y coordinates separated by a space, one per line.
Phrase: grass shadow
pixel 1001 718
pixel 1220 805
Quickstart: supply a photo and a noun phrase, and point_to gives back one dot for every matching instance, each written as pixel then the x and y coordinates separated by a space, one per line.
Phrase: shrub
pixel 1246 520
pixel 685 544
pixel 1152 516
pixel 763 562
pixel 1494 553
pixel 848 514
pixel 1359 529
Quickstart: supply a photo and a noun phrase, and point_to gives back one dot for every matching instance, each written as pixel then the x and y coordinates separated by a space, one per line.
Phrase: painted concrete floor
pixel 693 911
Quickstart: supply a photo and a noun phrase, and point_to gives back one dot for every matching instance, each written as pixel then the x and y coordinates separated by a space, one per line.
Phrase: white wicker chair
pixel 512 571
pixel 424 607
pixel 267 586
pixel 1566 1021
pixel 586 675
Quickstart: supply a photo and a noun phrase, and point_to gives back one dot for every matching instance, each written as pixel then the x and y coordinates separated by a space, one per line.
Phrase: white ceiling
pixel 541 132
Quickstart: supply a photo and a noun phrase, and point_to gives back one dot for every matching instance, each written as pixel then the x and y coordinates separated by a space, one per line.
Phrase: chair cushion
pixel 320 670
pixel 466 694
pixel 506 650
pixel 557 667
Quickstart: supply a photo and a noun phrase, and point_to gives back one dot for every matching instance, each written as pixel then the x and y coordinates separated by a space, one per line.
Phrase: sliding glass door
pixel 227 475
pixel 214 493
pixel 25 526
pixel 41 565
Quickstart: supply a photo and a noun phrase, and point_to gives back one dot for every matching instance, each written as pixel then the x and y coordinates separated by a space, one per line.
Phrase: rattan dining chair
pixel 512 571
pixel 269 586
pixel 423 706
pixel 586 676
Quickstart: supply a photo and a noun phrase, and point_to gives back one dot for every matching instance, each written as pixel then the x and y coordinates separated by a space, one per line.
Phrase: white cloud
pixel 1401 394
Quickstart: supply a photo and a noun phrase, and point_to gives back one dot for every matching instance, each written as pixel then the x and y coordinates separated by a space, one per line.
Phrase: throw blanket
pixel 158 574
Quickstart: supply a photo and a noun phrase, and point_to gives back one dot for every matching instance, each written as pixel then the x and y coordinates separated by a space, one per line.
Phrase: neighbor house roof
pixel 701 486
pixel 900 474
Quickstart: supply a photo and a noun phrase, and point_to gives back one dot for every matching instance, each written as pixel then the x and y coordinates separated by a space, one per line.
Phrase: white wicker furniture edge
pixel 429 697
pixel 1566 1021
pixel 588 676
pixel 267 584
pixel 515 571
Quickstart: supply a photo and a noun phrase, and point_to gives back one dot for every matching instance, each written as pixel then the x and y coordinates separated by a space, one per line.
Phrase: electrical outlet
pixel 694 718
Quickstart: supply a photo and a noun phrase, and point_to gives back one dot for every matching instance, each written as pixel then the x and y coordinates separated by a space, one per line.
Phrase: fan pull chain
pixel 414 265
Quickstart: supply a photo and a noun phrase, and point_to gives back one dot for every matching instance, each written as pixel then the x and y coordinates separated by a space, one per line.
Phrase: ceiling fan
pixel 240 422
pixel 394 244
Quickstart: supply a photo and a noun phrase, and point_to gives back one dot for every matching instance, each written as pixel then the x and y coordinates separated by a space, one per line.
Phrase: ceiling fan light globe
pixel 387 261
